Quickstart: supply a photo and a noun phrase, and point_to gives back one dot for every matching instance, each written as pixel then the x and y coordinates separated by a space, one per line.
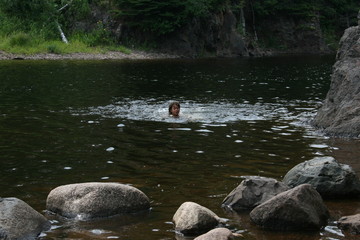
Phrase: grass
pixel 23 43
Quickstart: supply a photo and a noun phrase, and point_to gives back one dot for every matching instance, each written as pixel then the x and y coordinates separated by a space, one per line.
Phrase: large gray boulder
pixel 326 175
pixel 253 191
pixel 340 113
pixel 350 224
pixel 300 208
pixel 20 221
pixel 93 200
pixel 193 219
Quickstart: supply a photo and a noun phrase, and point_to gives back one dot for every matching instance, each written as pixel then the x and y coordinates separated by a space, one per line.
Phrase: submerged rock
pixel 350 223
pixel 20 221
pixel 218 234
pixel 340 113
pixel 326 175
pixel 300 208
pixel 253 191
pixel 194 219
pixel 93 200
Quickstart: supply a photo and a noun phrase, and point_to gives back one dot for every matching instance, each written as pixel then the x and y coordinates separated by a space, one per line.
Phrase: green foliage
pixel 31 16
pixel 339 14
pixel 54 48
pixel 155 16
pixel 99 36
pixel 334 15
pixel 41 15
pixel 76 10
pixel 118 49
pixel 20 39
pixel 162 17
pixel 303 8
pixel 331 39
pixel 25 23
pixel 34 45
pixel 30 26
pixel 31 10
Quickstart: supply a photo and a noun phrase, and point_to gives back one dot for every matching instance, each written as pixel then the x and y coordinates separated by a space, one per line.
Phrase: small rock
pixel 350 223
pixel 218 234
pixel 253 191
pixel 193 219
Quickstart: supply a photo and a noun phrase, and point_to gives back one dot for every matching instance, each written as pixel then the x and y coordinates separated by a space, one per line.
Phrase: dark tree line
pixel 162 17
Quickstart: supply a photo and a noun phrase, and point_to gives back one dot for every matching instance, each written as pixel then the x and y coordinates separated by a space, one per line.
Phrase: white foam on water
pixel 212 114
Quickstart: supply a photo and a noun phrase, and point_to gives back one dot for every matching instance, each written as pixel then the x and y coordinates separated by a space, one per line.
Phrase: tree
pixel 162 17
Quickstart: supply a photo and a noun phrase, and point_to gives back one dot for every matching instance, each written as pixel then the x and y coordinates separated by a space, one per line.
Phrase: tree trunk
pixel 63 37
pixel 242 21
pixel 253 19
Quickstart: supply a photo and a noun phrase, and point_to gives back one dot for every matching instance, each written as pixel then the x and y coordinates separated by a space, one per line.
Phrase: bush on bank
pixel 32 26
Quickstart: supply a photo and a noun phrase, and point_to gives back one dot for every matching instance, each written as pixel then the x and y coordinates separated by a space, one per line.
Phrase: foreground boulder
pixel 253 191
pixel 350 223
pixel 340 113
pixel 92 200
pixel 20 221
pixel 194 219
pixel 218 234
pixel 300 208
pixel 326 175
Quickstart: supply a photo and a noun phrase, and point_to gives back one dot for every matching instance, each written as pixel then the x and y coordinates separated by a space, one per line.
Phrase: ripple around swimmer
pixel 212 114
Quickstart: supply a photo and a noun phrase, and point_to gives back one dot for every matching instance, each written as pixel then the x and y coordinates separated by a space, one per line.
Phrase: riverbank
pixel 112 55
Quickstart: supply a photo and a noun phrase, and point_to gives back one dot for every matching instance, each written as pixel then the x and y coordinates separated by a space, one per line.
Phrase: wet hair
pixel 172 104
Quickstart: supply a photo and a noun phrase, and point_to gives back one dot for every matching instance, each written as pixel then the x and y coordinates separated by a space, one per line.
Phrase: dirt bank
pixel 86 56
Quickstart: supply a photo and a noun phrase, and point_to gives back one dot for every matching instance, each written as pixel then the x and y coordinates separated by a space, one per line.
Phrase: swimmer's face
pixel 175 110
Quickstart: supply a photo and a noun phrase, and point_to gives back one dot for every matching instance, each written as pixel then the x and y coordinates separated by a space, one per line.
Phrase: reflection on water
pixel 64 122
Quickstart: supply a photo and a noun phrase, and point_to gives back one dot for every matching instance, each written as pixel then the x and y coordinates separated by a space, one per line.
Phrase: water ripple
pixel 208 113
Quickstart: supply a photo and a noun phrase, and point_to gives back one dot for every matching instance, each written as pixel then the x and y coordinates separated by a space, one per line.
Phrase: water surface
pixel 65 122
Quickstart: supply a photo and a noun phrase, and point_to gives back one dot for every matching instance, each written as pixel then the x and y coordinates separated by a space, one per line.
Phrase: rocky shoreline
pixel 110 55
pixel 294 203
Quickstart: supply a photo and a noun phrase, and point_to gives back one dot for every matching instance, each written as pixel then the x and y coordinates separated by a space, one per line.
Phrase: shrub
pixel 99 36
pixel 54 48
pixel 19 39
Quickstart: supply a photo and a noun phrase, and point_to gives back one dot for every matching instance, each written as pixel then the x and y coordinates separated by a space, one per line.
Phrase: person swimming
pixel 174 109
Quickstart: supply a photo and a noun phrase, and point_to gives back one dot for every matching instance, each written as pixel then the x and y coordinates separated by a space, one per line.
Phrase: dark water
pixel 65 122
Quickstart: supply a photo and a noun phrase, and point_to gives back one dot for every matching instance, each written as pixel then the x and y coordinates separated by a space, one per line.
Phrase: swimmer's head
pixel 174 109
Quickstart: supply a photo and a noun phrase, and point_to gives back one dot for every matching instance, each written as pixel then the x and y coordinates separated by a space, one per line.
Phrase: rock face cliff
pixel 340 114
pixel 216 35
pixel 221 34
pixel 293 35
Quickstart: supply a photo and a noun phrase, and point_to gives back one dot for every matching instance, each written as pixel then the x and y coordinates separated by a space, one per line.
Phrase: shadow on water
pixel 65 122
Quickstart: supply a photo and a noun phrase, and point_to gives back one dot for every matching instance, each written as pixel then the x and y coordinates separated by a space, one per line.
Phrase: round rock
pixel 218 234
pixel 194 219
pixel 20 221
pixel 93 200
